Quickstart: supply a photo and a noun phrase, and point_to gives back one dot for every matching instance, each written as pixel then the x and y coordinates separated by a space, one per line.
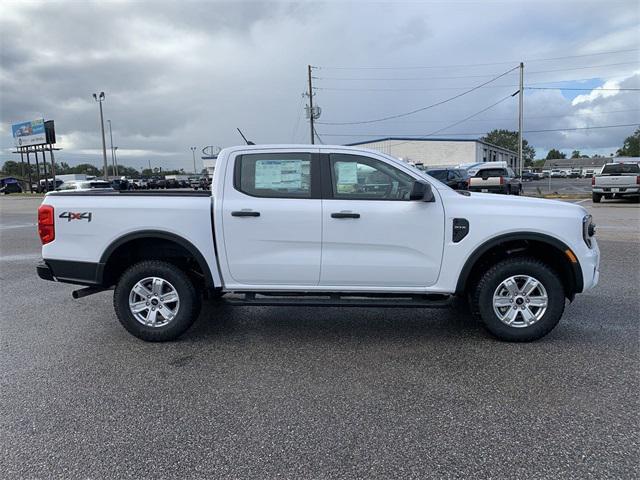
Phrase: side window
pixel 357 177
pixel 277 175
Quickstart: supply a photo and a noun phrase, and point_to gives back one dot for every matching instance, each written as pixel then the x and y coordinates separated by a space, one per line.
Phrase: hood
pixel 510 204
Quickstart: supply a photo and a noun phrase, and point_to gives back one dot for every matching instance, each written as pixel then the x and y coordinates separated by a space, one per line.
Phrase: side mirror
pixel 422 191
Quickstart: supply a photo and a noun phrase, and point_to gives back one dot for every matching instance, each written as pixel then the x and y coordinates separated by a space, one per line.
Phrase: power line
pixel 594 89
pixel 465 119
pixel 470 116
pixel 479 133
pixel 404 79
pixel 422 108
pixel 577 114
pixel 474 64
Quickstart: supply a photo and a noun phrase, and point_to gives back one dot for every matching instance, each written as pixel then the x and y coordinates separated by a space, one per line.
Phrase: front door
pixel 271 216
pixel 372 234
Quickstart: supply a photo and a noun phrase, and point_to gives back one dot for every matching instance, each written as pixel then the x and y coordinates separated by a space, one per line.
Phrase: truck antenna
pixel 248 142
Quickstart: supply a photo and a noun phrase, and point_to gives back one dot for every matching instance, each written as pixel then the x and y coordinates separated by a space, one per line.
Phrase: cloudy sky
pixel 180 73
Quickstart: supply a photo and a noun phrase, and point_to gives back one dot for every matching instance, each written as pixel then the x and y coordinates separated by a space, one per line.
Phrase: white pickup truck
pixel 616 180
pixel 319 226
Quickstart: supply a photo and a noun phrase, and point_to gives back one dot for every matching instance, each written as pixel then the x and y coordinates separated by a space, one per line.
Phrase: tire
pixel 541 319
pixel 185 309
pixel 596 197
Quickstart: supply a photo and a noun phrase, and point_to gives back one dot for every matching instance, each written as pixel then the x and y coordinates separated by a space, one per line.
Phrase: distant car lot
pixel 301 392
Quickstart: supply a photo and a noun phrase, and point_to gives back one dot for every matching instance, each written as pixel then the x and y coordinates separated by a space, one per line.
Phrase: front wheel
pixel 156 301
pixel 519 299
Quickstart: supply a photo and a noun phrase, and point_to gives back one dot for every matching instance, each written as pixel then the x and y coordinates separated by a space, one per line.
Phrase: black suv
pixel 456 178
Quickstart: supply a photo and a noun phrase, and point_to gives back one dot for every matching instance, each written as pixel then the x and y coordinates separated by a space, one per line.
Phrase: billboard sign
pixel 29 133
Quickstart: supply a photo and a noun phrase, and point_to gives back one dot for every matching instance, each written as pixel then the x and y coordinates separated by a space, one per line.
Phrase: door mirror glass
pixel 422 191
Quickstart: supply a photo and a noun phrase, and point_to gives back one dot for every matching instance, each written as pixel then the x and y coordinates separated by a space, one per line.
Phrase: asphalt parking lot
pixel 264 392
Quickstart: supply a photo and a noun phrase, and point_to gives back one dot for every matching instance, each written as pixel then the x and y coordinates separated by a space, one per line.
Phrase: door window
pixel 363 178
pixel 283 175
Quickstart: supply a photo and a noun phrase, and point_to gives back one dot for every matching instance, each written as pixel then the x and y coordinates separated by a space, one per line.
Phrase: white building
pixel 210 164
pixel 441 151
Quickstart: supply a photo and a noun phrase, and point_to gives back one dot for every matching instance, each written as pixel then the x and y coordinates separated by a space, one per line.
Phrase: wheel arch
pixel 516 243
pixel 160 236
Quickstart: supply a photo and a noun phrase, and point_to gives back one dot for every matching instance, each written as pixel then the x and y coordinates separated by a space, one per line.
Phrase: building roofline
pixel 430 139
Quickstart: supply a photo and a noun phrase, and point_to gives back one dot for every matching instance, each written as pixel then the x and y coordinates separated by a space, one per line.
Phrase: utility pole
pixel 520 118
pixel 310 104
pixel 115 160
pixel 99 99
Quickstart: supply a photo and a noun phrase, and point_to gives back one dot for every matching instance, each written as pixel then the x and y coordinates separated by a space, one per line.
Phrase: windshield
pixel 616 168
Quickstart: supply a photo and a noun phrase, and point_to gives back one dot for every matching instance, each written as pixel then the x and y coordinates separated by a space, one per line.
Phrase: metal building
pixel 441 151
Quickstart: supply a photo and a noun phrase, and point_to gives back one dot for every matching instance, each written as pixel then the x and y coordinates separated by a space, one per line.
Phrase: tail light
pixel 501 180
pixel 638 180
pixel 46 224
pixel 593 181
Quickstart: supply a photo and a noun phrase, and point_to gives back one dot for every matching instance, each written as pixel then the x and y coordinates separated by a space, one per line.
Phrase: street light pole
pixel 99 99
pixel 193 152
pixel 115 159
pixel 113 156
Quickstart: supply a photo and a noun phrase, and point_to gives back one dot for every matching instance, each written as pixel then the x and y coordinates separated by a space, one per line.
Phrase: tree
pixel 576 154
pixel 555 154
pixel 509 139
pixel 631 146
pixel 12 169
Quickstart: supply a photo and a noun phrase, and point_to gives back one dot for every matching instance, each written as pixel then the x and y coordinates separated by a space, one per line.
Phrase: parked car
pixel 495 180
pixel 296 225
pixel 558 173
pixel 616 180
pixel 140 184
pixel 9 185
pixel 589 172
pixel 456 178
pixel 574 173
pixel 529 176
pixel 120 184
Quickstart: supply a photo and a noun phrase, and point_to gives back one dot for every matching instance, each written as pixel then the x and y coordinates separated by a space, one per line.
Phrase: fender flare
pixel 576 270
pixel 186 244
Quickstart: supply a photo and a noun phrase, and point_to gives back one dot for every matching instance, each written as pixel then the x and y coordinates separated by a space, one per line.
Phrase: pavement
pixel 562 186
pixel 265 392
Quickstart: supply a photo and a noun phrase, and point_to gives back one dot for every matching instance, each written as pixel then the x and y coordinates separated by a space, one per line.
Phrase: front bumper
pixel 590 264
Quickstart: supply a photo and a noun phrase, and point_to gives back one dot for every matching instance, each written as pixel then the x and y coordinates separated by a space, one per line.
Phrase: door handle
pixel 345 215
pixel 245 213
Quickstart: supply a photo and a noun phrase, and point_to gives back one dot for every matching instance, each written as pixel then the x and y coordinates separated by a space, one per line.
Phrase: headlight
pixel 588 229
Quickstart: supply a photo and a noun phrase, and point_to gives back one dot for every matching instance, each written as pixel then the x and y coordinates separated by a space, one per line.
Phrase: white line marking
pixel 11 227
pixel 582 201
pixel 15 258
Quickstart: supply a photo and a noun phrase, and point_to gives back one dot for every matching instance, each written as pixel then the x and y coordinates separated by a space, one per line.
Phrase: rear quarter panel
pixel 114 216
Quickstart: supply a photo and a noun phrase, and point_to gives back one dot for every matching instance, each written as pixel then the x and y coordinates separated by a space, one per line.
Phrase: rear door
pixel 373 236
pixel 271 218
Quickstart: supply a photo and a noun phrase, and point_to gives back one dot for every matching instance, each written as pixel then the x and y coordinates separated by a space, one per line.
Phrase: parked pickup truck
pixel 319 226
pixel 617 179
pixel 490 179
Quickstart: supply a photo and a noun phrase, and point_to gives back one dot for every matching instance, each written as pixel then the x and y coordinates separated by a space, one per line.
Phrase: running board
pixel 272 299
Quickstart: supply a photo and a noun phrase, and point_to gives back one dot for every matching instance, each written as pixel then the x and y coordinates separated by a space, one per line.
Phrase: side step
pixel 270 299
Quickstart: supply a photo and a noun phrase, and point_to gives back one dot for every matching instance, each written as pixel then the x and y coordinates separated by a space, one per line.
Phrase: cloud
pixel 178 74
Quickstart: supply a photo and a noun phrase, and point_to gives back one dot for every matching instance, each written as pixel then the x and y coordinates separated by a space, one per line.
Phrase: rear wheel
pixel 156 301
pixel 519 299
pixel 596 197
